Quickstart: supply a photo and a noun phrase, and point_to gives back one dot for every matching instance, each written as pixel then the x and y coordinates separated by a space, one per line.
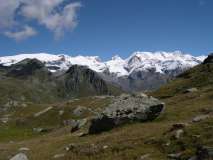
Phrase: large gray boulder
pixel 125 109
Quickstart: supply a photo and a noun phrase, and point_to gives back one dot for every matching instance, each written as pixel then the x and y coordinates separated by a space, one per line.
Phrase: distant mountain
pixel 30 81
pixel 140 71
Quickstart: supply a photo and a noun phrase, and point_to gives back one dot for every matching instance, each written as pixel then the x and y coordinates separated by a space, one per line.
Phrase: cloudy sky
pixel 105 27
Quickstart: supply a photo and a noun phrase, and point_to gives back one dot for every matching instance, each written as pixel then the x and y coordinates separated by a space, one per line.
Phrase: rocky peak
pixel 209 59
pixel 25 67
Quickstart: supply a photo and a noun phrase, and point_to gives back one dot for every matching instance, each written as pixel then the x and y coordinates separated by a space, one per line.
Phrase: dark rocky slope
pixel 30 81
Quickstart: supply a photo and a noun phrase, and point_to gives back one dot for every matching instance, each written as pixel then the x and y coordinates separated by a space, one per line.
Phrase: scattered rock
pixel 4 119
pixel 124 109
pixel 24 105
pixel 58 156
pixel 196 136
pixel 168 143
pixel 40 130
pixel 43 112
pixel 24 149
pixel 102 97
pixel 77 124
pixel 177 126
pixel 200 118
pixel 19 156
pixel 105 147
pixel 175 155
pixel 79 111
pixel 152 140
pixel 144 157
pixel 70 147
pixel 81 134
pixel 190 90
pixel 179 133
pixel 11 103
pixel 206 110
pixel 61 112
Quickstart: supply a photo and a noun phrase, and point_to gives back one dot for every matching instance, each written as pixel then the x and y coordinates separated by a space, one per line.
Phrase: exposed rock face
pixel 83 81
pixel 126 108
pixel 26 67
pixel 209 59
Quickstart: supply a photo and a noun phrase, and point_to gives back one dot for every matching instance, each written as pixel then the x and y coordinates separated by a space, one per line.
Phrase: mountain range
pixel 140 71
pixel 46 115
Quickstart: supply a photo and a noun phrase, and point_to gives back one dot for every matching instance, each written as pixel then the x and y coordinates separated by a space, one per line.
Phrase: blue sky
pixel 109 27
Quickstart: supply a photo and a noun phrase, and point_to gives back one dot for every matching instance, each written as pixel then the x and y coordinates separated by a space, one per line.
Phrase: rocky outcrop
pixel 82 81
pixel 125 109
pixel 209 59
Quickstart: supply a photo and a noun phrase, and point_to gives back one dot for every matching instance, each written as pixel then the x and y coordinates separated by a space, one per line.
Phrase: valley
pixel 42 128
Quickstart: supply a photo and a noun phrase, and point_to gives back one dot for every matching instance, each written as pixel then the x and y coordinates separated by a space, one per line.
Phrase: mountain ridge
pixel 116 65
pixel 140 71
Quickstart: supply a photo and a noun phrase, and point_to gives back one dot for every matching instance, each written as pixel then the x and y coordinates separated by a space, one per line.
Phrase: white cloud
pixel 58 22
pixel 57 16
pixel 7 12
pixel 25 33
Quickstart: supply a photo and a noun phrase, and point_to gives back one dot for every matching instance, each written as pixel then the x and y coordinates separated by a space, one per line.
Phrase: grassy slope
pixel 129 141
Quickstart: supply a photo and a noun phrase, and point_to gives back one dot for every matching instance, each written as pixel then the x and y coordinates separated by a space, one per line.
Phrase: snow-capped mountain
pixel 139 67
pixel 160 61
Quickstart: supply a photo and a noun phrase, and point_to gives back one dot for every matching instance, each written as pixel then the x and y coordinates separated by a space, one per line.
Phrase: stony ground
pixel 152 140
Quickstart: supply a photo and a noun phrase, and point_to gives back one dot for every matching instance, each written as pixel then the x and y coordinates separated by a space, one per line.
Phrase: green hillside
pixel 183 131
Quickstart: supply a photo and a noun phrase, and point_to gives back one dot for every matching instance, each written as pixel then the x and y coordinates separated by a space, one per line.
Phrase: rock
pixel 58 156
pixel 209 59
pixel 24 105
pixel 81 134
pixel 200 118
pixel 43 112
pixel 177 126
pixel 70 147
pixel 24 149
pixel 77 124
pixel 61 112
pixel 144 157
pixel 4 119
pixel 152 140
pixel 190 90
pixel 19 156
pixel 11 103
pixel 124 109
pixel 179 133
pixel 204 153
pixel 105 147
pixel 79 111
pixel 40 130
pixel 175 155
